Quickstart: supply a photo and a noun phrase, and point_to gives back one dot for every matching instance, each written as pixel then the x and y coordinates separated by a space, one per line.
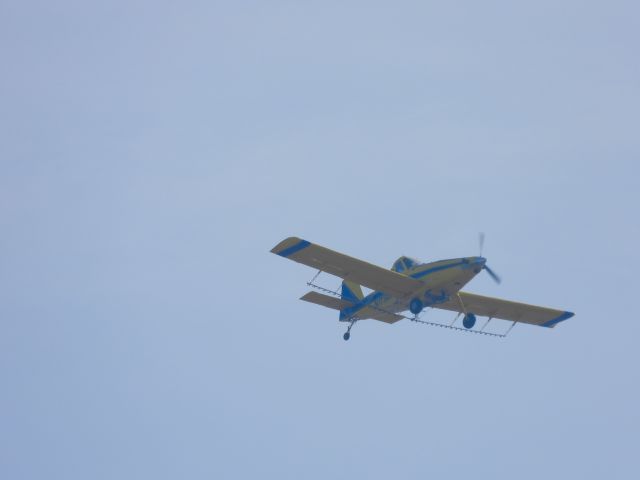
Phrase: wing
pixel 339 304
pixel 506 310
pixel 346 267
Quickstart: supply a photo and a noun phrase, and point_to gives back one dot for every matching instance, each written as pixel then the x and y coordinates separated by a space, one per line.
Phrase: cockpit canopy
pixel 405 263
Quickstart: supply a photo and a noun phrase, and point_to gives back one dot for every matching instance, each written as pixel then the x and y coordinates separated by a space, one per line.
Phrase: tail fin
pixel 351 291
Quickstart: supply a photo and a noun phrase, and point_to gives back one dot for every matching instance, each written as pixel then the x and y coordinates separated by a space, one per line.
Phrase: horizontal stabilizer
pixel 325 300
pixel 340 304
pixel 380 315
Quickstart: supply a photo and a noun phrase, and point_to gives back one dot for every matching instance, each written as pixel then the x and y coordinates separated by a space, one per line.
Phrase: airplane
pixel 409 285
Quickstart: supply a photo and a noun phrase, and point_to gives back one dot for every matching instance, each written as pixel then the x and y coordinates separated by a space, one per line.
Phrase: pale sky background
pixel 151 155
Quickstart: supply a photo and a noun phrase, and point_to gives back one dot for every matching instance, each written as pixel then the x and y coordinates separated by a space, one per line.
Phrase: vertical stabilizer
pixel 351 291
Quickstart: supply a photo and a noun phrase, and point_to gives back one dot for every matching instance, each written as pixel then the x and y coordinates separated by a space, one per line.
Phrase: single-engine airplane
pixel 409 285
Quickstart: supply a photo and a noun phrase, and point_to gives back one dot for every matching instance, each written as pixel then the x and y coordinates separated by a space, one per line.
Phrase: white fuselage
pixel 441 280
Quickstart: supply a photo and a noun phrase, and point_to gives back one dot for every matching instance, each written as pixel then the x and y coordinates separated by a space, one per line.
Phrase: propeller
pixel 491 273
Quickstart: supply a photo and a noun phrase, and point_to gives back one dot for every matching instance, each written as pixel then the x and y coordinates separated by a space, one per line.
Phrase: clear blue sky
pixel 151 155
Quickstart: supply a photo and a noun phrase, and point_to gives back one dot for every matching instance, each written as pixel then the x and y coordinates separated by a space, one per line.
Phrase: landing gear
pixel 416 306
pixel 347 334
pixel 469 320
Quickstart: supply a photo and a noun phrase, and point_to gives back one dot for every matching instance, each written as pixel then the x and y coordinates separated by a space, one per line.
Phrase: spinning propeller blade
pixel 492 274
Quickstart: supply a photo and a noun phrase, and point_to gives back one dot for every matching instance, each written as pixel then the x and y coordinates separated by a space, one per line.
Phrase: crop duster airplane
pixel 409 285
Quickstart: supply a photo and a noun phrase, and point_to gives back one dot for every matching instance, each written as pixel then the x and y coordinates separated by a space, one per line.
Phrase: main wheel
pixel 346 336
pixel 416 306
pixel 469 320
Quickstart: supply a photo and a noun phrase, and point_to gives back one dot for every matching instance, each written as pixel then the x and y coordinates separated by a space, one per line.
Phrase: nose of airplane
pixel 478 263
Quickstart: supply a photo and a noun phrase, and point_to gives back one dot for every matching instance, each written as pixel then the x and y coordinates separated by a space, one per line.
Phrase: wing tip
pixel 289 246
pixel 560 318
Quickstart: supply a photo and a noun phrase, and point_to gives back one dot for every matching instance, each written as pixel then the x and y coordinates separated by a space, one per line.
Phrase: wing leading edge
pixel 506 310
pixel 346 267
